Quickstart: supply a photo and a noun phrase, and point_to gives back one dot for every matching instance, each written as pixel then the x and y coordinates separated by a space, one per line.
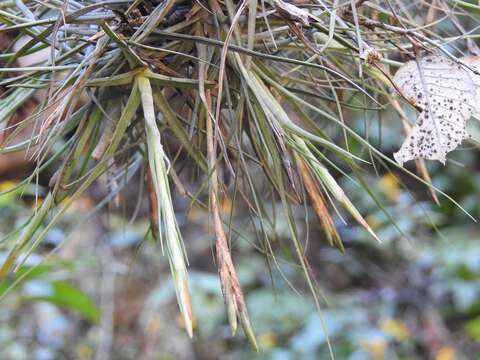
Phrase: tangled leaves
pixel 446 92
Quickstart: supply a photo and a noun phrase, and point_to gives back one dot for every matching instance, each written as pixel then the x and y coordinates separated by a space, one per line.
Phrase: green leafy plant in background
pixel 248 100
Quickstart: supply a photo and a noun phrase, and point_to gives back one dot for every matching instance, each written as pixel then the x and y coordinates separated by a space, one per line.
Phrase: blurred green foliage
pixel 379 295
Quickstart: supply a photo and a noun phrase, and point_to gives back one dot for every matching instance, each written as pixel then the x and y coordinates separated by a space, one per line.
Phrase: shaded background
pixel 101 287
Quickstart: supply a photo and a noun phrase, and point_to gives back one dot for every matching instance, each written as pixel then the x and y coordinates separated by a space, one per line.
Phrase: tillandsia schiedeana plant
pixel 250 99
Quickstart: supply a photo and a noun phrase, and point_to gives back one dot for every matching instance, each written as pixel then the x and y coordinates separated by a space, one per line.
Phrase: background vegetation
pixel 254 139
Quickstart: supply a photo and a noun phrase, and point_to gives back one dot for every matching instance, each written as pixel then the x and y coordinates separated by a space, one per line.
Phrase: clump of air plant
pixel 241 86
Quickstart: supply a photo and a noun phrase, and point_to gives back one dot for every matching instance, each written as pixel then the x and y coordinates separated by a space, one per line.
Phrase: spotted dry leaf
pixel 473 62
pixel 446 93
